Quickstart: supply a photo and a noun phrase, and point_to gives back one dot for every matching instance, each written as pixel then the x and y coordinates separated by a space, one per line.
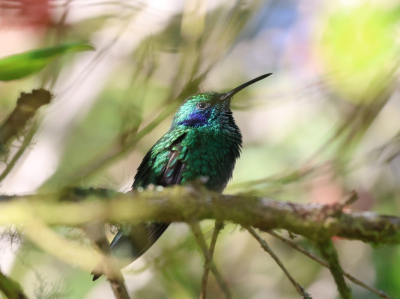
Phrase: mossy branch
pixel 81 207
pixel 179 204
pixel 330 254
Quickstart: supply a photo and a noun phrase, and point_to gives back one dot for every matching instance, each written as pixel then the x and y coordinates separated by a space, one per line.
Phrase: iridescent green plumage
pixel 202 142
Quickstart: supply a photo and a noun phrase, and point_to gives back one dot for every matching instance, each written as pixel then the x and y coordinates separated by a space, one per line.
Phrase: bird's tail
pixel 97 273
pixel 129 244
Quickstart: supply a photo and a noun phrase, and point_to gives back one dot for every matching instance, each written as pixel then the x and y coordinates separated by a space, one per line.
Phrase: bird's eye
pixel 202 105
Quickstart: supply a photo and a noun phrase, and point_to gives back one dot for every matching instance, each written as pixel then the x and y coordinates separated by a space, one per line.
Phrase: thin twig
pixel 350 198
pixel 96 233
pixel 329 253
pixel 27 141
pixel 208 259
pixel 268 249
pixel 219 225
pixel 325 264
pixel 10 288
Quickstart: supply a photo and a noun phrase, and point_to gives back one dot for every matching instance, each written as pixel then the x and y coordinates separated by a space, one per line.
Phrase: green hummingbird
pixel 202 142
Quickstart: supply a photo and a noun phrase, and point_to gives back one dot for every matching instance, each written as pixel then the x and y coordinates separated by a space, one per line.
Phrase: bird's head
pixel 208 108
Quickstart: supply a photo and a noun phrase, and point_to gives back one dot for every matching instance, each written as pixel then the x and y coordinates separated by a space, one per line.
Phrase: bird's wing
pixel 160 167
pixel 162 164
pixel 172 172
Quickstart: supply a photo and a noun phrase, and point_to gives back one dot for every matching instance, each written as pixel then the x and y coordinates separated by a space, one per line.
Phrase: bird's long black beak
pixel 239 88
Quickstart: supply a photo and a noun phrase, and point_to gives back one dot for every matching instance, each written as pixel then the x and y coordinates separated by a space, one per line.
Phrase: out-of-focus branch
pixel 27 141
pixel 208 258
pixel 325 264
pixel 10 288
pixel 268 249
pixel 219 225
pixel 329 253
pixel 27 105
pixel 65 250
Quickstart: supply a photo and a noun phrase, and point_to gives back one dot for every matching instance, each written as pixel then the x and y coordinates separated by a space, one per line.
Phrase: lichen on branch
pixel 76 207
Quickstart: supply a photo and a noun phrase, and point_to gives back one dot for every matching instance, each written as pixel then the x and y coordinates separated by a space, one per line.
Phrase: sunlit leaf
pixel 21 65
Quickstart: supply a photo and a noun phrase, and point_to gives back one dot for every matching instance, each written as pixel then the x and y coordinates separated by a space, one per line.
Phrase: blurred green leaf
pixel 358 46
pixel 21 65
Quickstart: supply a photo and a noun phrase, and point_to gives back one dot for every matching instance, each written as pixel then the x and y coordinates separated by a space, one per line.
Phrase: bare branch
pixel 10 288
pixel 351 198
pixel 329 253
pixel 325 264
pixel 208 259
pixel 268 249
pixel 218 227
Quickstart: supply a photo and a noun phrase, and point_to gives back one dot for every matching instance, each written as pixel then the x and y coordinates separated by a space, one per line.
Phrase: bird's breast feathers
pixel 180 157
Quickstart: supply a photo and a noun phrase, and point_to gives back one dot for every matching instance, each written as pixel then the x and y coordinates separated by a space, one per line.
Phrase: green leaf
pixel 21 65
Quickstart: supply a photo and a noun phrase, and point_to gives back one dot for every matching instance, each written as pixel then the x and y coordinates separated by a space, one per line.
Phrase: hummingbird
pixel 203 142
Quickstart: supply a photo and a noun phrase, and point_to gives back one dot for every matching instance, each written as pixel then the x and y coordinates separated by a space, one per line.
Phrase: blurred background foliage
pixel 325 123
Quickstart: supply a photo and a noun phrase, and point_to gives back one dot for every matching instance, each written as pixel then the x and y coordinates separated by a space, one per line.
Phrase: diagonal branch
pixel 326 265
pixel 208 258
pixel 329 253
pixel 10 288
pixel 268 249
pixel 27 141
